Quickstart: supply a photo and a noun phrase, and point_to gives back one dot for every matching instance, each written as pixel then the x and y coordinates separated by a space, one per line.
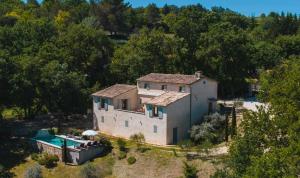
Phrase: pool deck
pixel 74 155
pixel 73 139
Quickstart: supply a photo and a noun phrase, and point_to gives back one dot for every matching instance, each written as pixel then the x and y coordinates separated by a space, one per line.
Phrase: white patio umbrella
pixel 90 133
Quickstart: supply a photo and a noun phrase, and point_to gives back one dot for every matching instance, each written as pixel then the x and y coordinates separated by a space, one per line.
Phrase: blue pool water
pixel 58 141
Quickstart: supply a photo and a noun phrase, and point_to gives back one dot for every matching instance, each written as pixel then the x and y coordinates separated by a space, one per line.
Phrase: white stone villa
pixel 161 106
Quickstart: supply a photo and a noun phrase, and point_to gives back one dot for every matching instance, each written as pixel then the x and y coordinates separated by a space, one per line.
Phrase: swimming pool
pixel 58 141
pixel 43 142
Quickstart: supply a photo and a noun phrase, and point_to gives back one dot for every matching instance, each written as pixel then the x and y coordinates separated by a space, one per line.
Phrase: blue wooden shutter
pixel 149 108
pixel 97 100
pixel 160 112
pixel 106 104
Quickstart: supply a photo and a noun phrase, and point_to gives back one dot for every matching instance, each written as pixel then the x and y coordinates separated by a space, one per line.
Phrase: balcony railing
pixel 137 111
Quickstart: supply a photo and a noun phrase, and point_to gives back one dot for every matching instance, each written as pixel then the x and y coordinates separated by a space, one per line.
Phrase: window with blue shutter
pixel 160 112
pixel 149 109
pixel 98 102
pixel 106 104
pixel 96 99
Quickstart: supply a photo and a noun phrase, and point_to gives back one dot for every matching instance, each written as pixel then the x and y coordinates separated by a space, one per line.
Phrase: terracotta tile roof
pixel 114 90
pixel 169 78
pixel 166 98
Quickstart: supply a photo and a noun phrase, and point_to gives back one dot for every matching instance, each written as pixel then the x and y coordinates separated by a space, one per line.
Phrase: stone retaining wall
pixel 74 156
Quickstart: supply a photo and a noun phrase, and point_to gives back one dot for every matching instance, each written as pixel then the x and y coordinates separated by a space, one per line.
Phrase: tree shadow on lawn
pixel 14 151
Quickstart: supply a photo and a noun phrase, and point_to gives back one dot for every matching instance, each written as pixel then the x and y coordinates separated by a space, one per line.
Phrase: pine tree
pixel 233 122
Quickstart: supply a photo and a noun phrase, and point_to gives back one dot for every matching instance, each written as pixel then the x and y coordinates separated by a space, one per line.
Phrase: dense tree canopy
pixel 55 49
pixel 149 51
pixel 270 145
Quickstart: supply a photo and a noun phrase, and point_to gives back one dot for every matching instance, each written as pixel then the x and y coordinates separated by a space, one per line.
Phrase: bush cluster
pixel 45 159
pixel 53 131
pixel 190 171
pixel 122 155
pixel 131 160
pixel 34 156
pixel 104 142
pixel 75 132
pixel 139 140
pixel 210 130
pixel 122 144
pixel 4 172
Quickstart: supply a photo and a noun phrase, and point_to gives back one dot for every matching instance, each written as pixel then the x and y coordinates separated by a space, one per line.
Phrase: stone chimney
pixel 198 74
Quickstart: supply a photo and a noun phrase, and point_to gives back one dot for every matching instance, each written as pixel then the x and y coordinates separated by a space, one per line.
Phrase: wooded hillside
pixel 54 54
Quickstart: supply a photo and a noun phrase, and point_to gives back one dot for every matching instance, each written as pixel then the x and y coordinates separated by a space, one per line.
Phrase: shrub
pixel 88 171
pixel 33 172
pixel 131 160
pixel 75 132
pixel 190 171
pixel 221 173
pixel 34 156
pixel 210 130
pixel 122 155
pixel 139 139
pixel 105 143
pixel 143 149
pixel 1 168
pixel 174 152
pixel 122 144
pixel 48 160
pixel 53 131
pixel 5 173
pixel 200 133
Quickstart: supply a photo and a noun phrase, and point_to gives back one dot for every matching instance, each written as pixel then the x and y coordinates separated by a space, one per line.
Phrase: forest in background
pixel 54 54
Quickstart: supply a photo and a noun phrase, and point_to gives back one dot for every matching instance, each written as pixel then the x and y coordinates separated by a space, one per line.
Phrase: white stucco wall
pixel 201 92
pixel 157 86
pixel 131 96
pixel 114 124
pixel 178 116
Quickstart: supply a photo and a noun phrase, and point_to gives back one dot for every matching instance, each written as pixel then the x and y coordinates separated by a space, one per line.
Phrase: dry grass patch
pixel 104 164
pixel 159 163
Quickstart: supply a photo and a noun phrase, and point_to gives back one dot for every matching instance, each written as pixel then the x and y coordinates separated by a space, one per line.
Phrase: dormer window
pixel 164 87
pixel 146 86
pixel 181 88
